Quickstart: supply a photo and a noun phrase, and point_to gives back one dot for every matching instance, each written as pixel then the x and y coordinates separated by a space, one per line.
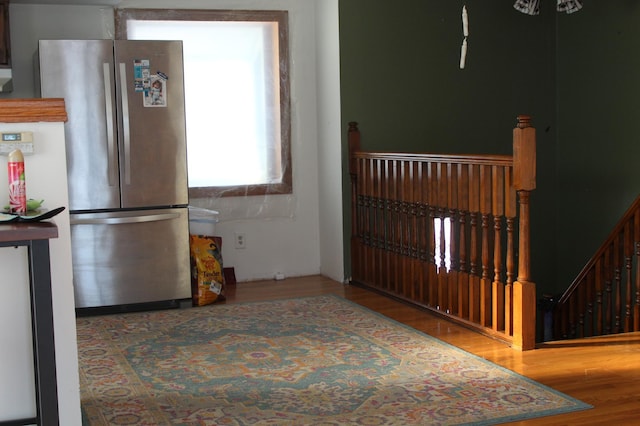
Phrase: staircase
pixel 605 297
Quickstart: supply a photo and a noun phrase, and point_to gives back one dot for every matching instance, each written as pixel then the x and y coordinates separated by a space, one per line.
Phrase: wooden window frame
pixel 281 17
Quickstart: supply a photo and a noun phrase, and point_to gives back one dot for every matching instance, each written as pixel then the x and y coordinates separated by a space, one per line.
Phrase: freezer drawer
pixel 130 257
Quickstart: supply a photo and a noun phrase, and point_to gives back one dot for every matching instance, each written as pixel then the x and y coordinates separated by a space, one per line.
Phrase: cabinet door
pixel 5 42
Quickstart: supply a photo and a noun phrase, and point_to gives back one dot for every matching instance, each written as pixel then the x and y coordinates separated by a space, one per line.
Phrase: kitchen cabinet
pixel 5 41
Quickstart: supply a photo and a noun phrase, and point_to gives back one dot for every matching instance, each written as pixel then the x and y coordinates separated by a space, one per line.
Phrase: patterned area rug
pixel 307 361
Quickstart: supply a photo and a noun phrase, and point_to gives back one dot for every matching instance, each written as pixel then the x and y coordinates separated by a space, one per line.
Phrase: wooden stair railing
pixel 443 232
pixel 605 297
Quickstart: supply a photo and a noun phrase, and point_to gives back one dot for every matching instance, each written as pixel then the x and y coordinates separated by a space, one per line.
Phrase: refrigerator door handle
pixel 125 123
pixel 112 168
pixel 123 220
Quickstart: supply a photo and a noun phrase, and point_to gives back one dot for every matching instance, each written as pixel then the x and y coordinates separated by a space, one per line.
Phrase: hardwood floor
pixel 603 371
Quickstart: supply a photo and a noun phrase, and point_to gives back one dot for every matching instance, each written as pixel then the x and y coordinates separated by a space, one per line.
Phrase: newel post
pixel 524 181
pixel 353 138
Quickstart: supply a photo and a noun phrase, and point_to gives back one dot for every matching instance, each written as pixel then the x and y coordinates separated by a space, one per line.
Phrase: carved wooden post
pixel 524 181
pixel 353 138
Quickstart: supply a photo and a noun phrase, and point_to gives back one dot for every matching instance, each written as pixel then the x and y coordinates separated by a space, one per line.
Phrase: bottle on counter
pixel 17 184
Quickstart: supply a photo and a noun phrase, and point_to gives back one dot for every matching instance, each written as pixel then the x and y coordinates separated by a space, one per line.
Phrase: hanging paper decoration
pixel 532 7
pixel 463 54
pixel 529 7
pixel 465 34
pixel 465 22
pixel 569 6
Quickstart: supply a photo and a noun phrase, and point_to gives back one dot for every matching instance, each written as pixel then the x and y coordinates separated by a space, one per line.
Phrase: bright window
pixel 236 95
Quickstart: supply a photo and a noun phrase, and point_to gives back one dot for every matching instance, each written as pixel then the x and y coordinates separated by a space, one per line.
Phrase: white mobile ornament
pixel 465 33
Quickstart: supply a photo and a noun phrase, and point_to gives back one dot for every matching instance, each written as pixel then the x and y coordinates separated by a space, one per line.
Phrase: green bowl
pixel 31 204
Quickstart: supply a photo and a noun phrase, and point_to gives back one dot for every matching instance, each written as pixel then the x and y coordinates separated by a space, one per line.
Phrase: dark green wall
pixel 400 79
pixel 598 111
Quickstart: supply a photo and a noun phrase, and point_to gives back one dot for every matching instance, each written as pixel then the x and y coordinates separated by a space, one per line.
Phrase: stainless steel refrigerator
pixel 127 173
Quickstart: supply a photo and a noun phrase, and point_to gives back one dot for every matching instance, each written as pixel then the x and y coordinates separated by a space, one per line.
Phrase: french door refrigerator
pixel 127 173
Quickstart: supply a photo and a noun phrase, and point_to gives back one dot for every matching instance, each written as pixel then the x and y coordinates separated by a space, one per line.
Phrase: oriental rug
pixel 318 360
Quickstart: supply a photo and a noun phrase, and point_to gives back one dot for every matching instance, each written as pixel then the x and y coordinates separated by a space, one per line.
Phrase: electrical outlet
pixel 240 240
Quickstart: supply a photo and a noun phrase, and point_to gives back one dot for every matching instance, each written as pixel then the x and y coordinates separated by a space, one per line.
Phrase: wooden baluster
pixel 399 219
pixel 372 253
pixel 366 184
pixel 408 204
pixel 399 227
pixel 524 291
pixel 474 280
pixel 636 306
pixel 497 308
pixel 463 208
pixel 485 280
pixel 452 250
pixel 411 225
pixel 443 301
pixel 608 300
pixel 395 216
pixel 366 187
pixel 375 223
pixel 382 223
pixel 590 295
pixel 425 263
pixel 524 181
pixel 391 235
pixel 617 284
pixel 628 267
pixel 420 231
pixel 433 199
pixel 390 225
pixel 510 213
pixel 364 223
pixel 567 321
pixel 571 325
pixel 373 205
pixel 383 206
pixel 402 219
pixel 580 296
pixel 406 232
pixel 389 218
pixel 571 304
pixel 598 285
pixel 382 218
pixel 417 231
pixel 362 218
pixel 403 228
pixel 397 272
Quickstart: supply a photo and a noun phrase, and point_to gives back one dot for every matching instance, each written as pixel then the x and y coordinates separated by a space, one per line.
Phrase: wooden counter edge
pixel 32 110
